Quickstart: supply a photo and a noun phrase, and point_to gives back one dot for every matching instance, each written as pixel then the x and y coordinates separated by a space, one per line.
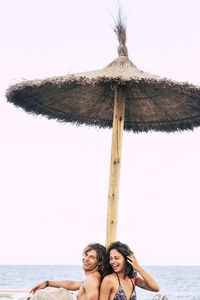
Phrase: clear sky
pixel 54 178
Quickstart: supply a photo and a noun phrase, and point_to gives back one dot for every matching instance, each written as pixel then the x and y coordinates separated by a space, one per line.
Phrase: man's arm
pixel 91 287
pixel 67 284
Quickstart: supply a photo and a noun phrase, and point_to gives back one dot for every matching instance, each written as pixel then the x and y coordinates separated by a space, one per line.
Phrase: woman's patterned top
pixel 120 294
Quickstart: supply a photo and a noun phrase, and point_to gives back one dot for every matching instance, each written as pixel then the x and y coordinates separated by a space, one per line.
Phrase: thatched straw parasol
pixel 120 95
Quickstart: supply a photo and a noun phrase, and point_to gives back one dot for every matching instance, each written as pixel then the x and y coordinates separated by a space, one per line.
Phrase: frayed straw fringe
pixel 152 103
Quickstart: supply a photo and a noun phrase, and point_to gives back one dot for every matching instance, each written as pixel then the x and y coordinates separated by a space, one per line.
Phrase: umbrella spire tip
pixel 120 30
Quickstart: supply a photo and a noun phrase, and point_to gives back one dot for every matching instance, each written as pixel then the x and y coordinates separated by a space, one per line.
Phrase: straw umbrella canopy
pixel 119 96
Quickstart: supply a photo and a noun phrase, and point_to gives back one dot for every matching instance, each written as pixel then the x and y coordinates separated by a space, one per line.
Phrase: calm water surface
pixel 178 282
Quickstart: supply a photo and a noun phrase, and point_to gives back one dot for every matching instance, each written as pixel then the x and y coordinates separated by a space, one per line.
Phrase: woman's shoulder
pixel 109 278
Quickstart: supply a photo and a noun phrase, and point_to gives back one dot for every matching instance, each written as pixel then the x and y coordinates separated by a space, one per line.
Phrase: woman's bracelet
pixel 47 283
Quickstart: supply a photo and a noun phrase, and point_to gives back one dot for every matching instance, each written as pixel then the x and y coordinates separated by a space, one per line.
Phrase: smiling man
pixel 93 263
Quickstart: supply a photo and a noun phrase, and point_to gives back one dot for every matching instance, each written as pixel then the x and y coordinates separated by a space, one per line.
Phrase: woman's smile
pixel 117 260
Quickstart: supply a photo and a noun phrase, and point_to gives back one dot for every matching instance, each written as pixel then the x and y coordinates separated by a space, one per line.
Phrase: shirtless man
pixel 93 262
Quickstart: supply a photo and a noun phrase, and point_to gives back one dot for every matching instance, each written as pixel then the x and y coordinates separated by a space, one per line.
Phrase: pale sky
pixel 54 178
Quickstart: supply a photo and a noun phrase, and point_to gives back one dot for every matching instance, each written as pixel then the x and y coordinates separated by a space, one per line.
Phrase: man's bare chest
pixel 81 293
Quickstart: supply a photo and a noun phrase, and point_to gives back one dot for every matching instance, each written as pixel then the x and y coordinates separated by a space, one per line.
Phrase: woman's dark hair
pixel 101 255
pixel 125 251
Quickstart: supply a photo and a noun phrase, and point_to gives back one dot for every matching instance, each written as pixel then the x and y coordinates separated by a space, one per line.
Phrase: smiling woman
pixel 121 276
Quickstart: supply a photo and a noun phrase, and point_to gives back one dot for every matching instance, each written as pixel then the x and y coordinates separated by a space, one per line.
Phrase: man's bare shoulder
pixel 93 278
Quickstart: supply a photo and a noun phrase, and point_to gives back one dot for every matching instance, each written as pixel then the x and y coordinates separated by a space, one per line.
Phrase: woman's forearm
pixel 146 282
pixel 149 280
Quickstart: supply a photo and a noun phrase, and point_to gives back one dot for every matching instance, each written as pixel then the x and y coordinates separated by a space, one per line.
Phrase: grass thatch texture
pixel 87 98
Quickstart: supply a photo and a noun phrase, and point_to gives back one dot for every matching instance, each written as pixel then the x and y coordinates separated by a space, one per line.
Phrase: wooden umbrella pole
pixel 113 194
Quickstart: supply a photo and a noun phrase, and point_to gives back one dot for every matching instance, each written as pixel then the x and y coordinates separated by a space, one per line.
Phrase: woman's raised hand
pixel 131 259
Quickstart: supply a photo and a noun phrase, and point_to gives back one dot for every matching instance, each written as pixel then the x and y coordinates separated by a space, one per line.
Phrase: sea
pixel 177 282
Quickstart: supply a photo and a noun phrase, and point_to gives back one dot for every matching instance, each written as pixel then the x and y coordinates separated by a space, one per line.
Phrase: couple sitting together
pixel 110 275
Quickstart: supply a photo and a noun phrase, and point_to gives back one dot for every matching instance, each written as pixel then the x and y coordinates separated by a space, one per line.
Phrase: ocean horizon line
pixel 79 265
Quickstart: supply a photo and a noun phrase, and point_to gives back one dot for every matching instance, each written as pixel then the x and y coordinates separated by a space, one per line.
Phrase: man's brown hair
pixel 101 255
